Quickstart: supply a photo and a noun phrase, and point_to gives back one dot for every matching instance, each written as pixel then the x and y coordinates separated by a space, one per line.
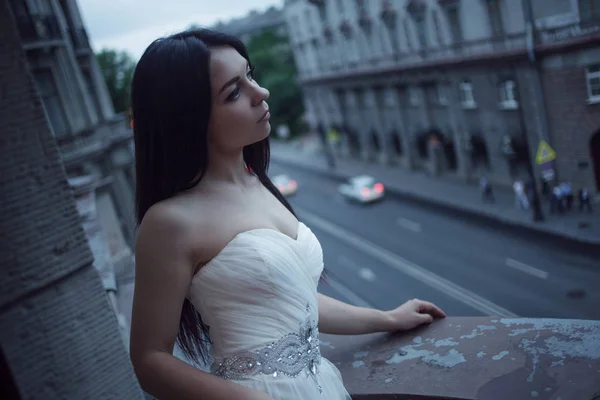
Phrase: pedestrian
pixel 545 187
pixel 521 200
pixel 567 194
pixel 556 203
pixel 487 192
pixel 584 200
pixel 221 257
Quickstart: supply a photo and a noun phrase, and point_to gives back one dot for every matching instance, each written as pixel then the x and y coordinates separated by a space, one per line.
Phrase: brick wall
pixel 58 333
pixel 572 122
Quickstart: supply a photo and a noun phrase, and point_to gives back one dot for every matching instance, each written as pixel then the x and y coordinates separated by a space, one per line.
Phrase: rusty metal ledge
pixel 473 358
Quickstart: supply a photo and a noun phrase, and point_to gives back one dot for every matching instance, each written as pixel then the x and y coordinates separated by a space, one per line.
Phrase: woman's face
pixel 239 114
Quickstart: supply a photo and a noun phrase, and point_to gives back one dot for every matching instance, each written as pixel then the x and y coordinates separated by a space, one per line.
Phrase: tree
pixel 272 58
pixel 117 68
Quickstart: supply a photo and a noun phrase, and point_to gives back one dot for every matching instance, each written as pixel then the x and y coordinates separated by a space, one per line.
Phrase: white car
pixel 286 186
pixel 363 188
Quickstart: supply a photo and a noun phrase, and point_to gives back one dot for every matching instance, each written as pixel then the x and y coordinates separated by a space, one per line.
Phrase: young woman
pixel 220 254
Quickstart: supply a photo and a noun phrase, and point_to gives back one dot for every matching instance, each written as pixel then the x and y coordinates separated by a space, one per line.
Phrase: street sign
pixel 545 153
pixel 547 171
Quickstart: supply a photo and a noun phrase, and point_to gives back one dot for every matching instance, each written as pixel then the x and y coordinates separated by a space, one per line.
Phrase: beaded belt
pixel 290 356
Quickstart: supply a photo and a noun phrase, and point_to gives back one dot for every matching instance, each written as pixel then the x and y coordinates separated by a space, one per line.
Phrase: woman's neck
pixel 227 169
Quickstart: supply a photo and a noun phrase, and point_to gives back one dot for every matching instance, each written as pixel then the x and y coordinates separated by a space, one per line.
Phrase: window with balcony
pixel 46 86
pixel 593 83
pixel 495 17
pixel 467 97
pixel 589 10
pixel 508 95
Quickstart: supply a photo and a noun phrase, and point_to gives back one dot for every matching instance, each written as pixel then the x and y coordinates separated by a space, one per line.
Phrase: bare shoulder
pixel 193 228
pixel 165 229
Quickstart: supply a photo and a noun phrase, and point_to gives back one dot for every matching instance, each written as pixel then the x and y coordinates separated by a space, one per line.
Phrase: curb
pixel 575 243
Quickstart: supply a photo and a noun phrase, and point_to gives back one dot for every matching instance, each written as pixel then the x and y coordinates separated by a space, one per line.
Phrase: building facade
pixel 462 87
pixel 92 139
pixel 58 333
pixel 254 23
pixel 95 144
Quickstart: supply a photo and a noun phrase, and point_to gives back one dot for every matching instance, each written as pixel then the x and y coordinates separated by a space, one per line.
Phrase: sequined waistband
pixel 290 355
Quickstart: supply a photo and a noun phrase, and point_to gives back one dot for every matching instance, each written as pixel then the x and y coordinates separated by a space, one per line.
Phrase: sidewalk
pixel 446 193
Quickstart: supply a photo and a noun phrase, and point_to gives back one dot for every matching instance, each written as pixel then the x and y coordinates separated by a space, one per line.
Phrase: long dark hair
pixel 171 104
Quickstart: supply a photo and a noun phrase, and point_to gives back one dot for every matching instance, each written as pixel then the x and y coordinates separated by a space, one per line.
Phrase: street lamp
pixel 538 215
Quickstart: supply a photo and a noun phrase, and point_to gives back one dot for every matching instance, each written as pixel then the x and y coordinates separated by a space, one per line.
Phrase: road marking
pixel 352 297
pixel 410 225
pixel 427 277
pixel 528 269
pixel 367 274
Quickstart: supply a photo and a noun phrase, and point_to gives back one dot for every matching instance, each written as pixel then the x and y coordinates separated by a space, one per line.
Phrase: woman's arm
pixel 338 318
pixel 164 268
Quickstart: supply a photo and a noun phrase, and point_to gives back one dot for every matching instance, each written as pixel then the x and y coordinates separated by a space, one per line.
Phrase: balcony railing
pixel 569 32
pixel 456 52
pixel 95 140
pixel 473 358
pixel 40 27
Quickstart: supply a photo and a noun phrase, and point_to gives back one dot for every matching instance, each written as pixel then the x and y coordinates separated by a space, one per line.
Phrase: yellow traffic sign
pixel 545 153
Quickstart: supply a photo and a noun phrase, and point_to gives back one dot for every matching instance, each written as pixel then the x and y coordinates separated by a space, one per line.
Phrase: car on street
pixel 362 188
pixel 285 184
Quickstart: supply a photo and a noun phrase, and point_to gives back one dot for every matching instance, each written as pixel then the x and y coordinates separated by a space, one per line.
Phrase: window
pixel 438 28
pixel 508 99
pixel 467 99
pixel 589 9
pixel 421 31
pixel 340 7
pixel 407 34
pixel 593 83
pixel 495 16
pixel 296 30
pixel 360 6
pixel 53 106
pixel 388 98
pixel 89 83
pixel 454 21
pixel 413 96
pixel 309 22
pixel 441 95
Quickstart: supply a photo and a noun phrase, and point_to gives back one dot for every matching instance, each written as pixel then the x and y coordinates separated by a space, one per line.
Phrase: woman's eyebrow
pixel 232 80
pixel 229 83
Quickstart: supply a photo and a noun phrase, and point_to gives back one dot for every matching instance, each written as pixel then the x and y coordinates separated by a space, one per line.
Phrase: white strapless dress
pixel 259 298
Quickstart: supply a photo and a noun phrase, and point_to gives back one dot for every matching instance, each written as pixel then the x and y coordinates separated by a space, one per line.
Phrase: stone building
pixel 253 23
pixel 92 139
pixel 95 143
pixel 459 87
pixel 59 337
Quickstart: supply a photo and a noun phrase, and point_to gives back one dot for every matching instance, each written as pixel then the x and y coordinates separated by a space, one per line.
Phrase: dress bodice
pixel 260 287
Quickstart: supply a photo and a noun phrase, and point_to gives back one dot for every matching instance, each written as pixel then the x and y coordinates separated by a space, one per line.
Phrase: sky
pixel 131 25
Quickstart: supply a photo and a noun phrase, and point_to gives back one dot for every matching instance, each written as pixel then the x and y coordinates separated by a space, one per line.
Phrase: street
pixel 383 254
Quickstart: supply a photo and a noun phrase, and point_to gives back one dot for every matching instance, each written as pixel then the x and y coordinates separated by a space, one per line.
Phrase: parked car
pixel 362 188
pixel 286 186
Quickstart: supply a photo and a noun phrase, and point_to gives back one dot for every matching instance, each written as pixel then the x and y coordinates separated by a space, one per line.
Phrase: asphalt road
pixel 383 254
